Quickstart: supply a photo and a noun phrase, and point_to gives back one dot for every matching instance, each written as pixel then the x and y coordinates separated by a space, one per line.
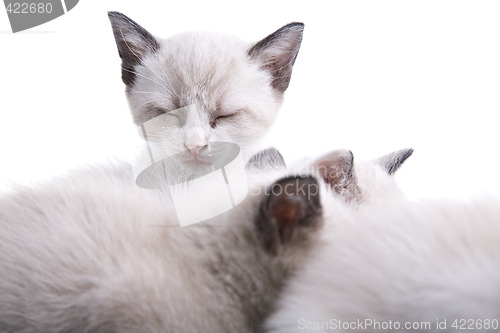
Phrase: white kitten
pixel 431 266
pixel 95 253
pixel 236 87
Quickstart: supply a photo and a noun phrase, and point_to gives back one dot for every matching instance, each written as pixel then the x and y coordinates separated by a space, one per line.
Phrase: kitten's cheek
pixel 220 134
pixel 211 137
pixel 227 137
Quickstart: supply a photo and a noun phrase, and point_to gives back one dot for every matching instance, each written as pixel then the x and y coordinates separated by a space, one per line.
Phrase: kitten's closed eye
pixel 223 118
pixel 175 119
pixel 153 112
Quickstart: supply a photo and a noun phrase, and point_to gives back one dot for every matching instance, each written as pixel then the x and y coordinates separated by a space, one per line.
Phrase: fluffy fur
pixel 236 86
pixel 95 253
pixel 407 263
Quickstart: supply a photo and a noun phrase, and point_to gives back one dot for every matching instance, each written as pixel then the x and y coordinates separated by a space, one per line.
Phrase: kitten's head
pixel 294 207
pixel 363 182
pixel 236 88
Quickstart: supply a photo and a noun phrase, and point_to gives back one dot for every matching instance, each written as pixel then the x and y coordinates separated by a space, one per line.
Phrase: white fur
pixel 403 262
pixel 95 253
pixel 215 73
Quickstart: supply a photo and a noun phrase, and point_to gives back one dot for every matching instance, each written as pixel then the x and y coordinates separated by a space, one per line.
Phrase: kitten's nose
pixel 195 149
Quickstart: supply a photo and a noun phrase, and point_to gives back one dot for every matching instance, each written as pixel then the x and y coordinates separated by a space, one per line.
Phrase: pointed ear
pixel 289 213
pixel 277 53
pixel 393 161
pixel 337 169
pixel 269 158
pixel 133 42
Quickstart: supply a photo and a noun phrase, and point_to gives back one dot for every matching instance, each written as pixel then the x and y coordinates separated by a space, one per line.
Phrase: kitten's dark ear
pixel 277 53
pixel 289 213
pixel 337 169
pixel 393 161
pixel 133 42
pixel 269 158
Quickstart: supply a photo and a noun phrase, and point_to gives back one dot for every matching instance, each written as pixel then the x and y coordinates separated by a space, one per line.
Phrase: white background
pixel 371 76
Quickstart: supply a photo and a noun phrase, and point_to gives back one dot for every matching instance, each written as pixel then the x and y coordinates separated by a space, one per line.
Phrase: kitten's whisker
pixel 145 77
pixel 167 85
pixel 128 46
pixel 148 92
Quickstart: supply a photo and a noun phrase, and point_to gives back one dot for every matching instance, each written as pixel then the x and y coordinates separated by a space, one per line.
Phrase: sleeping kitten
pixel 95 253
pixel 432 265
pixel 236 88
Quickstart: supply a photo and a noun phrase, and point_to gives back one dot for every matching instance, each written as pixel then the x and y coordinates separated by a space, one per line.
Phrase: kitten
pixel 235 87
pixel 95 253
pixel 433 265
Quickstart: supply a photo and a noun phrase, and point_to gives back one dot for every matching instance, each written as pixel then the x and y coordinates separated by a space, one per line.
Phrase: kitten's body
pixel 408 262
pixel 95 253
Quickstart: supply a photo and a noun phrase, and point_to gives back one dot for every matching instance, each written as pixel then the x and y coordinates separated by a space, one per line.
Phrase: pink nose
pixel 195 150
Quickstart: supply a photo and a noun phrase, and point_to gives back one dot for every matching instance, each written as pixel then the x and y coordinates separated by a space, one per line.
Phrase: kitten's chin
pixel 188 165
pixel 188 160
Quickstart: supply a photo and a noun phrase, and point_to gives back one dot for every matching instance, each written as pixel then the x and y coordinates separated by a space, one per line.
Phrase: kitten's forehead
pixel 203 46
pixel 201 61
pixel 193 67
pixel 375 183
